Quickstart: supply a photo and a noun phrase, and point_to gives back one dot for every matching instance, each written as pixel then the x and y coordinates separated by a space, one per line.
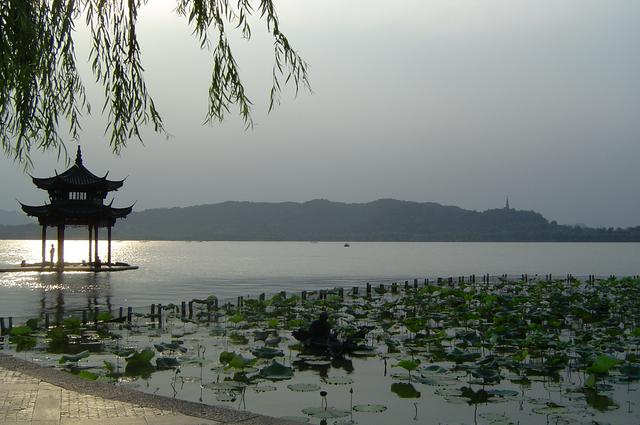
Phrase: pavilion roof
pixel 75 213
pixel 78 178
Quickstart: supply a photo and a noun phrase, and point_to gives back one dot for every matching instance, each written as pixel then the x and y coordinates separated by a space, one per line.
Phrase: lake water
pixel 177 271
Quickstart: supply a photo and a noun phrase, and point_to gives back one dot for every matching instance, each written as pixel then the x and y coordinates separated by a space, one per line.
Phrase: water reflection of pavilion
pixel 61 294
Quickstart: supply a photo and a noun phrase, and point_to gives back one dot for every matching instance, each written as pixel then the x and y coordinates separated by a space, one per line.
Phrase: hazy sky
pixel 461 102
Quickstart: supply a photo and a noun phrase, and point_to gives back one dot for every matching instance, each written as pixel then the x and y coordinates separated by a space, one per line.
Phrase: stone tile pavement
pixel 25 400
pixel 35 395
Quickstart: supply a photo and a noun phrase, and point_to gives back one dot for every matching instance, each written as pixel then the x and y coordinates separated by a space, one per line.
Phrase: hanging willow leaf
pixel 40 85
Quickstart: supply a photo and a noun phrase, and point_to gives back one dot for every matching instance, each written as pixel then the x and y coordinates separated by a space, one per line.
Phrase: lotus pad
pixel 369 408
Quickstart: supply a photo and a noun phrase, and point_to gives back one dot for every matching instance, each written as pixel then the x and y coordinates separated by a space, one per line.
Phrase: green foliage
pixel 74 357
pixel 139 363
pixel 20 331
pixel 58 341
pixel 602 364
pixel 33 323
pixel 276 371
pixel 111 368
pixel 226 357
pixel 237 318
pixel 273 323
pixel 72 323
pixel 85 374
pixel 405 390
pixel 24 342
pixel 40 84
pixel 408 364
pixel 104 316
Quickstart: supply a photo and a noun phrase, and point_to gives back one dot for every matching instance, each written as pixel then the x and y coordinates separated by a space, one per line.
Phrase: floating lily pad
pixel 276 371
pixel 405 390
pixel 325 412
pixel 266 352
pixel 300 419
pixel 369 408
pixel 338 380
pixel 496 418
pixel 226 397
pixel 317 362
pixel 74 357
pixel 264 388
pixel 303 387
pixel 225 386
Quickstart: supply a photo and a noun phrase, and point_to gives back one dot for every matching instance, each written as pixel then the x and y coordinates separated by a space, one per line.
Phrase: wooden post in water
pixel 406 285
pixel 109 245
pixel 44 244
pixel 2 328
pixel 46 321
pixel 90 244
pixel 160 316
pixel 190 309
pixel 303 296
pixel 10 323
pixel 60 246
pixel 129 314
pixel 183 310
pixel 121 315
pixel 354 290
pixel 96 312
pixel 368 289
pixel 84 317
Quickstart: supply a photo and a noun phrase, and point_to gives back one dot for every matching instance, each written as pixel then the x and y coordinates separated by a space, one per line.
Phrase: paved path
pixel 34 395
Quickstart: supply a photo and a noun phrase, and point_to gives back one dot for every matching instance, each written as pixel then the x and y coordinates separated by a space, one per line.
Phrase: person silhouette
pixel 52 252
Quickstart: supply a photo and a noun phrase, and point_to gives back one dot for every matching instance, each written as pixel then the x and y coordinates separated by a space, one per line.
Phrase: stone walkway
pixel 29 401
pixel 34 395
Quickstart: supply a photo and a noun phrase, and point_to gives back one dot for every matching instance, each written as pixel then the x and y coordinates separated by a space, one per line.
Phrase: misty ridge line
pixel 322 220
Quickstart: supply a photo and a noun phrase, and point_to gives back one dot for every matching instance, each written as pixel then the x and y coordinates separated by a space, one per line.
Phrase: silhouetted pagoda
pixel 77 199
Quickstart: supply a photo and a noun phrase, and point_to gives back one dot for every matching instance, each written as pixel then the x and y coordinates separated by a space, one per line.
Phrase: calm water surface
pixel 176 271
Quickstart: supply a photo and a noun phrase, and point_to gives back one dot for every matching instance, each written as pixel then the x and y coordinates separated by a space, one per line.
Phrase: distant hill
pixel 322 220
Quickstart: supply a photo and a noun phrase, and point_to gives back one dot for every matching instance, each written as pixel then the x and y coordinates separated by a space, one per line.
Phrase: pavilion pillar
pixel 109 245
pixel 44 244
pixel 90 240
pixel 95 231
pixel 61 246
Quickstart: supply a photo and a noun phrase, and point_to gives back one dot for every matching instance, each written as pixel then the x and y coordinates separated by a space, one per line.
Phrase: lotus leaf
pixel 405 390
pixel 226 396
pixel 369 408
pixel 167 362
pixel 631 371
pixel 74 357
pixel 300 419
pixel 225 386
pixel 264 388
pixel 276 371
pixel 266 352
pixel 303 387
pixel 139 363
pixel 338 380
pixel 602 364
pixel 325 412
pixel 475 397
pixel 239 362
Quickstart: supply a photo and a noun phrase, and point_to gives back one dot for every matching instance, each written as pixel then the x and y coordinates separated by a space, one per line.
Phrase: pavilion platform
pixel 68 267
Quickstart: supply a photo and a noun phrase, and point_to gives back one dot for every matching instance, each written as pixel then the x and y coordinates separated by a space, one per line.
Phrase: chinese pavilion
pixel 77 199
